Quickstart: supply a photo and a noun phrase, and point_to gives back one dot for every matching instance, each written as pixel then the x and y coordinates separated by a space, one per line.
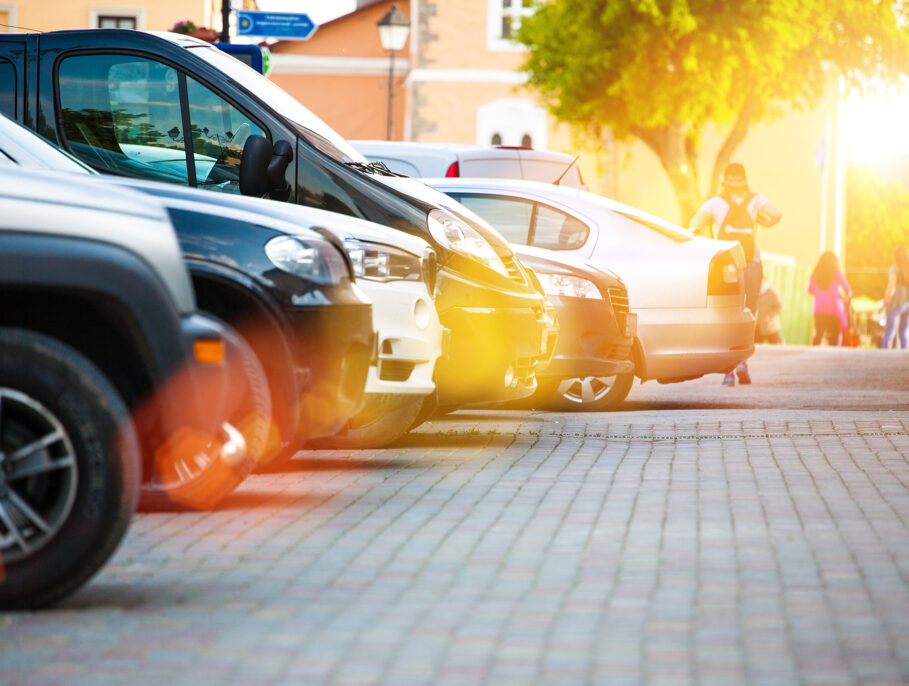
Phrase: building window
pixel 116 22
pixel 503 21
pixel 511 121
pixel 7 18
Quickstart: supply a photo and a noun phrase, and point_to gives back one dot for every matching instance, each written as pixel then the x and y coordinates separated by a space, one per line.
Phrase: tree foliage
pixel 877 220
pixel 662 70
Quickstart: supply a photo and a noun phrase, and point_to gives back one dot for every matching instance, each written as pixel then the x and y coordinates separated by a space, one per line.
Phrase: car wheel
pixel 587 394
pixel 384 419
pixel 192 472
pixel 69 469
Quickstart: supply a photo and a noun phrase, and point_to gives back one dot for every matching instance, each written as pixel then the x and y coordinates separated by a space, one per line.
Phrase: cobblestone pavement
pixel 756 538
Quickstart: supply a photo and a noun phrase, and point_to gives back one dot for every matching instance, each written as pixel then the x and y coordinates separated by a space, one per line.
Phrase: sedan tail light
pixel 454 169
pixel 724 277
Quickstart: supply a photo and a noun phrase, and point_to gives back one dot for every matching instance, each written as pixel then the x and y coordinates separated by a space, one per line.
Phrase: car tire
pixel 66 504
pixel 586 394
pixel 200 479
pixel 385 417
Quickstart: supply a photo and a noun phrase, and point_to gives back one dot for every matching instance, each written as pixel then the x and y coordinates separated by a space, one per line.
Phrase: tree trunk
pixel 673 145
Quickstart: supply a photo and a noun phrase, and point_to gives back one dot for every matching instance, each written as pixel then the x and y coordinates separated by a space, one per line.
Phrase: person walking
pixel 830 290
pixel 736 212
pixel 896 299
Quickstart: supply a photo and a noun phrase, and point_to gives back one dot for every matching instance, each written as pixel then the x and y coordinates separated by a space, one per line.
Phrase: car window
pixel 8 92
pixel 122 113
pixel 219 131
pixel 509 216
pixel 556 230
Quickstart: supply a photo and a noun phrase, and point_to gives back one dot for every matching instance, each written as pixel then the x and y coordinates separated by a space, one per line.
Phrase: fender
pixel 113 276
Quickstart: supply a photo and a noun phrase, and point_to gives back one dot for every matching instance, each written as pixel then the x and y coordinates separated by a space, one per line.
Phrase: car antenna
pixel 562 175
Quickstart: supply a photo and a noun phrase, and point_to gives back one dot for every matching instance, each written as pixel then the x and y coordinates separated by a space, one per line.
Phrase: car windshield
pixel 316 132
pixel 28 149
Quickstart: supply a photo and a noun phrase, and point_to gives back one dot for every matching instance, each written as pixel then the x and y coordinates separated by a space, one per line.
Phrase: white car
pixel 687 291
pixel 459 159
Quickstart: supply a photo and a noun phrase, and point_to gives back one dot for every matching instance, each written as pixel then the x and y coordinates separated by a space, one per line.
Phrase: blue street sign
pixel 275 25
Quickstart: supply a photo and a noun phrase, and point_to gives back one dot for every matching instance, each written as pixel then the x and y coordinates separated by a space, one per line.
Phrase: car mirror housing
pixel 263 166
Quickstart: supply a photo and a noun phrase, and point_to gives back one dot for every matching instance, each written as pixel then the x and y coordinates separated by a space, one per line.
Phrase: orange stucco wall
pixel 354 106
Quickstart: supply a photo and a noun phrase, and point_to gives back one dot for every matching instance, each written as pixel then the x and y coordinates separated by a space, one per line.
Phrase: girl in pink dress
pixel 830 290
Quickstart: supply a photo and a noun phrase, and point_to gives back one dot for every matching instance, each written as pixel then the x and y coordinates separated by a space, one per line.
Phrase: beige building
pixel 152 15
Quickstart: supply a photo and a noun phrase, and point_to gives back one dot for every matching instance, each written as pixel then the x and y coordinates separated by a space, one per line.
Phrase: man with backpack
pixel 737 212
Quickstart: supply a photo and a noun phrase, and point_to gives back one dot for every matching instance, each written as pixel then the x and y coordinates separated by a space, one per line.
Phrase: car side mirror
pixel 263 166
pixel 257 154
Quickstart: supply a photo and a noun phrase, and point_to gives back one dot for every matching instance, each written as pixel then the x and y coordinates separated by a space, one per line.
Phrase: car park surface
pixel 687 291
pixel 700 536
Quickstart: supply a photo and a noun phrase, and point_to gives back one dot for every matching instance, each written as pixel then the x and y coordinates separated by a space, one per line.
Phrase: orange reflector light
pixel 210 352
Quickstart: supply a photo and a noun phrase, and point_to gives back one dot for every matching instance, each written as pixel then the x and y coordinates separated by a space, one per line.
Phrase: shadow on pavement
pixel 441 439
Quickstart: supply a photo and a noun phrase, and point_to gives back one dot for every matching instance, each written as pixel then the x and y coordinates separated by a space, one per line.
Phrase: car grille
pixel 395 370
pixel 514 271
pixel 619 298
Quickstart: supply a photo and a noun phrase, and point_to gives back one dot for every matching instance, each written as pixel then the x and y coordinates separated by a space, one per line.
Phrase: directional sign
pixel 275 25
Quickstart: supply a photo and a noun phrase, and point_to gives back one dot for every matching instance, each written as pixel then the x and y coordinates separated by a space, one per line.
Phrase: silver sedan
pixel 687 291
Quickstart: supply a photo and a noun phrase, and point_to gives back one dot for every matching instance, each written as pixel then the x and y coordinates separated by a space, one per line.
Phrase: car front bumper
pixel 334 347
pixel 685 343
pixel 409 338
pixel 592 340
pixel 494 344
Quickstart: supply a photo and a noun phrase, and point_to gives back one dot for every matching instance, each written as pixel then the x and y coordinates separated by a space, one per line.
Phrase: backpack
pixel 738 225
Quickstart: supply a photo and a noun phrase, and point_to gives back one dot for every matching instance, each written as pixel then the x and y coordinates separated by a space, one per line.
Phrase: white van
pixel 434 160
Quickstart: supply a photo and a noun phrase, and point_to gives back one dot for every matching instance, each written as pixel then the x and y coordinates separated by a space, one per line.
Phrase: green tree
pixel 662 70
pixel 877 220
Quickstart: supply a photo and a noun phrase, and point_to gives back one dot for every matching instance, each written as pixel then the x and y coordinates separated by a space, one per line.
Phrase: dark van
pixel 172 108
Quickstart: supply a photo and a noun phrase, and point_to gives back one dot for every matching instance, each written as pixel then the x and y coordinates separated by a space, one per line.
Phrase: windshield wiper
pixel 373 168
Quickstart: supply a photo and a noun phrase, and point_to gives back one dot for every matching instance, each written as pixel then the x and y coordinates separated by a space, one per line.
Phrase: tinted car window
pixel 509 216
pixel 219 131
pixel 8 92
pixel 123 113
pixel 555 230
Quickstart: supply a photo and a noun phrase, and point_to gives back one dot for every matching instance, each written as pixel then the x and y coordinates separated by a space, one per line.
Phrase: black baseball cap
pixel 735 175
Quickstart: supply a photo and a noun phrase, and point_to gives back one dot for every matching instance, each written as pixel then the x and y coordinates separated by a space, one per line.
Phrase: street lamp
pixel 393 30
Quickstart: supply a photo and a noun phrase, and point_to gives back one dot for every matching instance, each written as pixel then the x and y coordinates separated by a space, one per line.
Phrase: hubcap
pixel 37 475
pixel 587 389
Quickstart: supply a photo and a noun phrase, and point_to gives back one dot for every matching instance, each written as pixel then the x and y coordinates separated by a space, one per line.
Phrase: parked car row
pixel 236 281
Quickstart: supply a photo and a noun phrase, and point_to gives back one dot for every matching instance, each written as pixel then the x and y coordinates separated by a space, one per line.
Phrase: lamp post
pixel 393 30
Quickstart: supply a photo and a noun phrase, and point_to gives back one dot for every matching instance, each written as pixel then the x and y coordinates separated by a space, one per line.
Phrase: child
pixel 829 286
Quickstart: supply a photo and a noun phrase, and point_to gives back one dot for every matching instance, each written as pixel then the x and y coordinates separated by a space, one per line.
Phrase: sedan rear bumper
pixel 679 344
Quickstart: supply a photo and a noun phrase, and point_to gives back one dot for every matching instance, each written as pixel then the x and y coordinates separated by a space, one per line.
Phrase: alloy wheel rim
pixel 587 389
pixel 38 475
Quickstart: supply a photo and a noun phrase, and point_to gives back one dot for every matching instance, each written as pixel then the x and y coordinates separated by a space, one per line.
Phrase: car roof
pixel 565 194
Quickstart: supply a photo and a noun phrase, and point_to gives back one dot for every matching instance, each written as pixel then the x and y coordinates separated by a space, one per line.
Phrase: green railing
pixel 791 283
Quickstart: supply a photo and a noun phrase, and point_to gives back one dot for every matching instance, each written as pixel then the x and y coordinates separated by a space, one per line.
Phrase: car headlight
pixel 317 261
pixel 461 237
pixel 383 262
pixel 571 286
